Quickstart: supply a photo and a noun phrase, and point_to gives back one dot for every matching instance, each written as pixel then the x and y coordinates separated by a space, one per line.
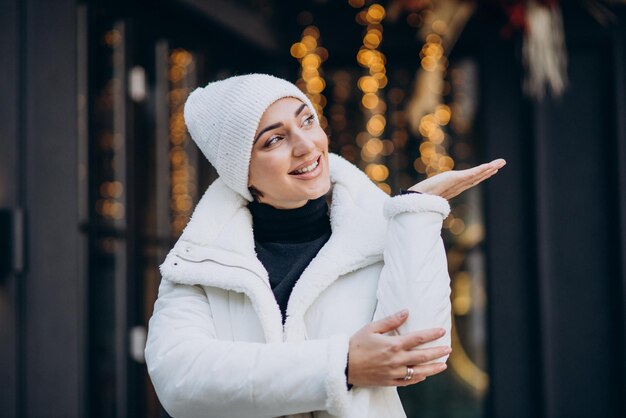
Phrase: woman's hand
pixel 452 183
pixel 381 360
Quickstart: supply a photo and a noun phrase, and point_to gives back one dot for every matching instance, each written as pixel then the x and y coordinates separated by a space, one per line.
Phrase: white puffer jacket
pixel 216 344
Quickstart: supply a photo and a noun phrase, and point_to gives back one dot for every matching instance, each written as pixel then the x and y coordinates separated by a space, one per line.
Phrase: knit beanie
pixel 223 117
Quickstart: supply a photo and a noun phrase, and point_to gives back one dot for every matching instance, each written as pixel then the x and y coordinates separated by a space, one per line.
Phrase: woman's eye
pixel 309 120
pixel 272 141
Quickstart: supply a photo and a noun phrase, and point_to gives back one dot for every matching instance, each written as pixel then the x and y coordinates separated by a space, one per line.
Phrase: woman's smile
pixel 308 170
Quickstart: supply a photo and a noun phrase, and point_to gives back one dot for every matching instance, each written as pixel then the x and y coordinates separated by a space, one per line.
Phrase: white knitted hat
pixel 223 117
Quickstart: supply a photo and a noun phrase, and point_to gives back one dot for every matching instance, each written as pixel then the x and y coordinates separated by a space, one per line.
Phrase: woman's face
pixel 289 163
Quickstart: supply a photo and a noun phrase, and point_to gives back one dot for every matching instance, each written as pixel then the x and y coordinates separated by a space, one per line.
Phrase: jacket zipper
pixel 263 279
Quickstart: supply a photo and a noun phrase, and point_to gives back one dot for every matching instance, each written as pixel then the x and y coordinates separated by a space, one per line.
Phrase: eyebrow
pixel 279 124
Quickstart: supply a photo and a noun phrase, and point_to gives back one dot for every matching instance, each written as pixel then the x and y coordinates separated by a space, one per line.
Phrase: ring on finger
pixel 409 373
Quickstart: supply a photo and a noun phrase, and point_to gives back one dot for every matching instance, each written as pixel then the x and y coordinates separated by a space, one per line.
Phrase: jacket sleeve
pixel 197 375
pixel 415 273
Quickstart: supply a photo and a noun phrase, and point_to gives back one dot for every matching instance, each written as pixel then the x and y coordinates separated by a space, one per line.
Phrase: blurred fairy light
pixel 373 148
pixel 182 173
pixel 109 204
pixel 434 158
pixel 439 24
pixel 462 293
pixel 311 56
pixel 357 4
pixel 112 38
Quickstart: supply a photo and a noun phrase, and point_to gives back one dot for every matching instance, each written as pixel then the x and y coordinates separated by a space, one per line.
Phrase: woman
pixel 273 304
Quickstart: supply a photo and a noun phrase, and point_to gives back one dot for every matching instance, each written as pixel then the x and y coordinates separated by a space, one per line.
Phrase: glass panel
pixel 107 263
pixel 174 178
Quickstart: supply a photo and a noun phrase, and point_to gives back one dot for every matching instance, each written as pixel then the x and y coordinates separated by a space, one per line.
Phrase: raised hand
pixel 376 359
pixel 452 183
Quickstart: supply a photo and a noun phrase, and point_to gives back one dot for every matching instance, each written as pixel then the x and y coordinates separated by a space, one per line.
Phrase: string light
pixel 110 192
pixel 311 56
pixel 182 173
pixel 434 158
pixel 373 149
pixel 462 293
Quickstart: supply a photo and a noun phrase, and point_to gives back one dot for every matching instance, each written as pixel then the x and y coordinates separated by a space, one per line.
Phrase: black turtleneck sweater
pixel 286 241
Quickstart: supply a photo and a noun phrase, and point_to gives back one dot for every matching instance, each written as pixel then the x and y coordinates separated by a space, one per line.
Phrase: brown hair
pixel 256 193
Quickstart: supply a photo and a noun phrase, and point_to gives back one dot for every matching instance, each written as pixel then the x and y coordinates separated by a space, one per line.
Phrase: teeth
pixel 307 168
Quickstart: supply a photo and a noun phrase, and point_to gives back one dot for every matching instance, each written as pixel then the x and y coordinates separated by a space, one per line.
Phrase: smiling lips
pixel 310 170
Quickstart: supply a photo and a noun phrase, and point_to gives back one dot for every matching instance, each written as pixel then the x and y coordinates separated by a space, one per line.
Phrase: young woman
pixel 274 303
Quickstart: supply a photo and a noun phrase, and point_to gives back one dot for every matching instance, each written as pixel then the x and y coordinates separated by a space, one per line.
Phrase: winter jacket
pixel 217 346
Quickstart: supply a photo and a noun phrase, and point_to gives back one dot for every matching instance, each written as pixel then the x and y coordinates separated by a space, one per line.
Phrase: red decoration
pixel 516 13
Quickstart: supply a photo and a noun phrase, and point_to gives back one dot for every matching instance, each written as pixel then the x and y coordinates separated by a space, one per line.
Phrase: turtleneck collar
pixel 302 224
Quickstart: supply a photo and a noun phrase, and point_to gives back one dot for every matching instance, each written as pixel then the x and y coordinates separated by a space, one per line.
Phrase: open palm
pixel 452 183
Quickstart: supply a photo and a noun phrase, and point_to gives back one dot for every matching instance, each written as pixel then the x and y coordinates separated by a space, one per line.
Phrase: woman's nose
pixel 303 144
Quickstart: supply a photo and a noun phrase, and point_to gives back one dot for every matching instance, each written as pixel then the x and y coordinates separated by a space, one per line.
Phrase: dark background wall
pixel 42 305
pixel 43 347
pixel 8 199
pixel 556 230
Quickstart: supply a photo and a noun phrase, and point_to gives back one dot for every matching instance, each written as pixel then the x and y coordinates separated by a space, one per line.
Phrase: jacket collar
pixel 220 230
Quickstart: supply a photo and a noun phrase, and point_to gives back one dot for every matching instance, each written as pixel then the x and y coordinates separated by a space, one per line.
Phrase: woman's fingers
pixel 486 171
pixel 414 339
pixel 464 179
pixel 420 373
pixel 477 171
pixel 375 357
pixel 473 176
pixel 499 163
pixel 451 183
pixel 424 355
pixel 427 370
pixel 388 323
pixel 469 181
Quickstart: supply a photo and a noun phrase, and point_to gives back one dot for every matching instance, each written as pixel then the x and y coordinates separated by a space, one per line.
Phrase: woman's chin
pixel 319 190
pixel 292 194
